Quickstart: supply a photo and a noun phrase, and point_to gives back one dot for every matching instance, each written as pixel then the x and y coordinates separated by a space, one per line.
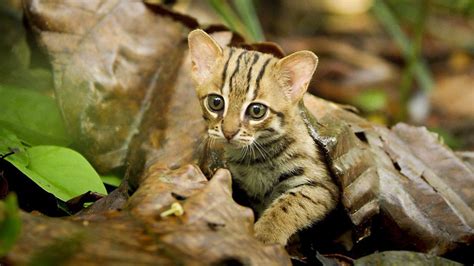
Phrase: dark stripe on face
pixel 224 72
pixel 259 77
pixel 267 133
pixel 235 70
pixel 279 148
pixel 294 172
pixel 249 75
pixel 271 141
pixel 279 114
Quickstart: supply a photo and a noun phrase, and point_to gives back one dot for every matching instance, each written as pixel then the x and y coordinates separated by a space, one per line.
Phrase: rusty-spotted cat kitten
pixel 253 102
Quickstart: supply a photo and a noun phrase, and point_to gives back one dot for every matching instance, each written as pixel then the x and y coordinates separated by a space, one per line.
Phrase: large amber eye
pixel 215 102
pixel 256 110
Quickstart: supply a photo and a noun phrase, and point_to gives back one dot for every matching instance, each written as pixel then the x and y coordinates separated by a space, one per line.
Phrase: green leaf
pixel 60 171
pixel 32 116
pixel 12 148
pixel 10 224
pixel 112 180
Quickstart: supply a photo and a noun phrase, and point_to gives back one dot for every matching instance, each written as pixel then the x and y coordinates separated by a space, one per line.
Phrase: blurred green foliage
pixel 448 138
pixel 371 100
pixel 241 17
pixel 416 68
pixel 32 116
pixel 10 223
pixel 33 135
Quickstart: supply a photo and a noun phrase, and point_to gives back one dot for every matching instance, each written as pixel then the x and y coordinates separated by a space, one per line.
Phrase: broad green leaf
pixel 10 224
pixel 60 171
pixel 32 116
pixel 112 180
pixel 12 148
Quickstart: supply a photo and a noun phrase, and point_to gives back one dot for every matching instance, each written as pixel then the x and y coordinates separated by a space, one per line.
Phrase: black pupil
pixel 256 110
pixel 216 102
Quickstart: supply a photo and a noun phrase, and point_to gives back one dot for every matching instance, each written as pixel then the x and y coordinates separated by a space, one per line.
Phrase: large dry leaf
pixel 212 230
pixel 416 189
pixel 114 62
pixel 166 116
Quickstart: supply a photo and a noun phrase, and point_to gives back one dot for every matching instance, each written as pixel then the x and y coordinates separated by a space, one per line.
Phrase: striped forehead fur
pixel 243 71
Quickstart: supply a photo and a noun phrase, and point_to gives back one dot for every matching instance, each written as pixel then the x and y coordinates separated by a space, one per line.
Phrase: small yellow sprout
pixel 176 209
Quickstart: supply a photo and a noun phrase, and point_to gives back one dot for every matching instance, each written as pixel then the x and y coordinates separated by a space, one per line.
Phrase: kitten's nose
pixel 229 134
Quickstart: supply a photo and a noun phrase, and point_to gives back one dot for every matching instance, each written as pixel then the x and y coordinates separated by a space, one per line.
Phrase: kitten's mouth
pixel 236 144
pixel 232 143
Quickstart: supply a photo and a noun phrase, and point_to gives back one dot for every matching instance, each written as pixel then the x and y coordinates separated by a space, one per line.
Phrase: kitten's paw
pixel 267 233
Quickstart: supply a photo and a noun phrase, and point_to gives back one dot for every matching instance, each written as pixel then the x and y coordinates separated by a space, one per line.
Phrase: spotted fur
pixel 273 159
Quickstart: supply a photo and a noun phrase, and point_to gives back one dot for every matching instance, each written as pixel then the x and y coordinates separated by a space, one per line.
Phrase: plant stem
pixel 246 10
pixel 411 51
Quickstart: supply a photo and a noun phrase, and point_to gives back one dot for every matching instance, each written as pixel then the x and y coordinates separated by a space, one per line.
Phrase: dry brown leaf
pixel 212 230
pixel 403 258
pixel 415 188
pixel 113 60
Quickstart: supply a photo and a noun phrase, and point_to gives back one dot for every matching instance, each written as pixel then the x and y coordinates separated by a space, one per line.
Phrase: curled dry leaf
pixel 212 230
pixel 212 223
pixel 404 181
pixel 113 60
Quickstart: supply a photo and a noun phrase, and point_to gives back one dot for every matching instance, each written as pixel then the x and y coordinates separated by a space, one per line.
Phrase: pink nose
pixel 230 134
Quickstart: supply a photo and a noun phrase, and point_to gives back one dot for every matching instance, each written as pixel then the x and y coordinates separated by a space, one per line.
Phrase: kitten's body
pixel 273 158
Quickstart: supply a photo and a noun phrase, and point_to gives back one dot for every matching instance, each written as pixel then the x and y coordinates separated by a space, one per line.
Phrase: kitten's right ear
pixel 204 52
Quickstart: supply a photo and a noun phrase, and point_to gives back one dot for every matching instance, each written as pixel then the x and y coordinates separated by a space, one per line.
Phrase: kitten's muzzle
pixel 230 134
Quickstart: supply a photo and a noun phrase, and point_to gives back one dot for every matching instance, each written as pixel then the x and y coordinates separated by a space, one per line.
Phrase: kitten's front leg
pixel 296 209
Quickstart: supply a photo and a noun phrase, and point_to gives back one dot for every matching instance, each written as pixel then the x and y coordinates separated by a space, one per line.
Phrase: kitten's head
pixel 247 96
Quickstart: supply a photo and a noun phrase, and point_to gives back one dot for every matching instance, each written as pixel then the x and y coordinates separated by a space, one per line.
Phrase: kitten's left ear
pixel 297 70
pixel 204 52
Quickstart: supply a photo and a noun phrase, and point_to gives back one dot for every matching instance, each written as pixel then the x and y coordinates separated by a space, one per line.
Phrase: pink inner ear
pixel 204 53
pixel 299 73
pixel 202 56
